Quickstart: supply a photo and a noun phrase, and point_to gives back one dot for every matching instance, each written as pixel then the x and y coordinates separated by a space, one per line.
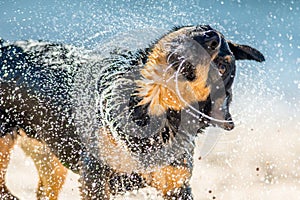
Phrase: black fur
pixel 36 97
pixel 138 114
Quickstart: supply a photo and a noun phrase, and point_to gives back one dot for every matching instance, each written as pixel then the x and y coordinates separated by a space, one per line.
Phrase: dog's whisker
pixel 170 66
pixel 169 56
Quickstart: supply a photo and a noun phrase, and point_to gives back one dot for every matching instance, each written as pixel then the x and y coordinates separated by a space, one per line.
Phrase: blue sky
pixel 270 26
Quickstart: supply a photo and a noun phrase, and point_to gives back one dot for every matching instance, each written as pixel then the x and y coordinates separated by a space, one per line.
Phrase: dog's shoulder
pixel 38 75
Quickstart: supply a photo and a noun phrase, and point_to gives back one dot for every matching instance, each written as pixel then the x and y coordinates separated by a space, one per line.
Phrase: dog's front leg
pixel 172 181
pixel 6 145
pixel 52 174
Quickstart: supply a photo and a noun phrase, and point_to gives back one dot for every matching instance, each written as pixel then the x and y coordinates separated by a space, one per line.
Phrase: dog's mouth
pixel 219 115
pixel 223 114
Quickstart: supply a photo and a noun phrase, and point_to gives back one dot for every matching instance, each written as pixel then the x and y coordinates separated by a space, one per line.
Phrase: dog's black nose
pixel 212 39
pixel 228 126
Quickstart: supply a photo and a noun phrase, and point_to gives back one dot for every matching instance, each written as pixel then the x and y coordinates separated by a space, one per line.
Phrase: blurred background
pixel 260 158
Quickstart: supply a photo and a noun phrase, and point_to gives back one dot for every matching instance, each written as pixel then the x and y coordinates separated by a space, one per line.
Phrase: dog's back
pixel 36 80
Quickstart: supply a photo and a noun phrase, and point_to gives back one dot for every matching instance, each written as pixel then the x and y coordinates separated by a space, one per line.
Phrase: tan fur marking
pixel 111 139
pixel 114 153
pixel 199 88
pixel 52 173
pixel 6 145
pixel 168 178
pixel 161 98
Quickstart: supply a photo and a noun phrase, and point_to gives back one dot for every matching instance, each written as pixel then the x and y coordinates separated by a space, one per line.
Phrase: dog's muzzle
pixel 228 124
pixel 221 116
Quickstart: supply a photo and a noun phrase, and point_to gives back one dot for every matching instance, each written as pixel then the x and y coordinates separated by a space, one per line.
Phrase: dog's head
pixel 187 66
pixel 176 71
pixel 224 64
pixel 185 76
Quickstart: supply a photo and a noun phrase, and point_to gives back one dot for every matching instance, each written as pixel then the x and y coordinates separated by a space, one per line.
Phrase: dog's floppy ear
pixel 245 52
pixel 1 42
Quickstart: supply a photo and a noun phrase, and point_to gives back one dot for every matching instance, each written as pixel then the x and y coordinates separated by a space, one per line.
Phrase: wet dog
pixel 150 106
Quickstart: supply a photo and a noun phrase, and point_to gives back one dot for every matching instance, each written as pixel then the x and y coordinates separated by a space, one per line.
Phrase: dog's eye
pixel 222 69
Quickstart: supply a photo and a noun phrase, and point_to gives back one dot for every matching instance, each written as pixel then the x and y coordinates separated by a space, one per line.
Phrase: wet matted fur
pixel 143 99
